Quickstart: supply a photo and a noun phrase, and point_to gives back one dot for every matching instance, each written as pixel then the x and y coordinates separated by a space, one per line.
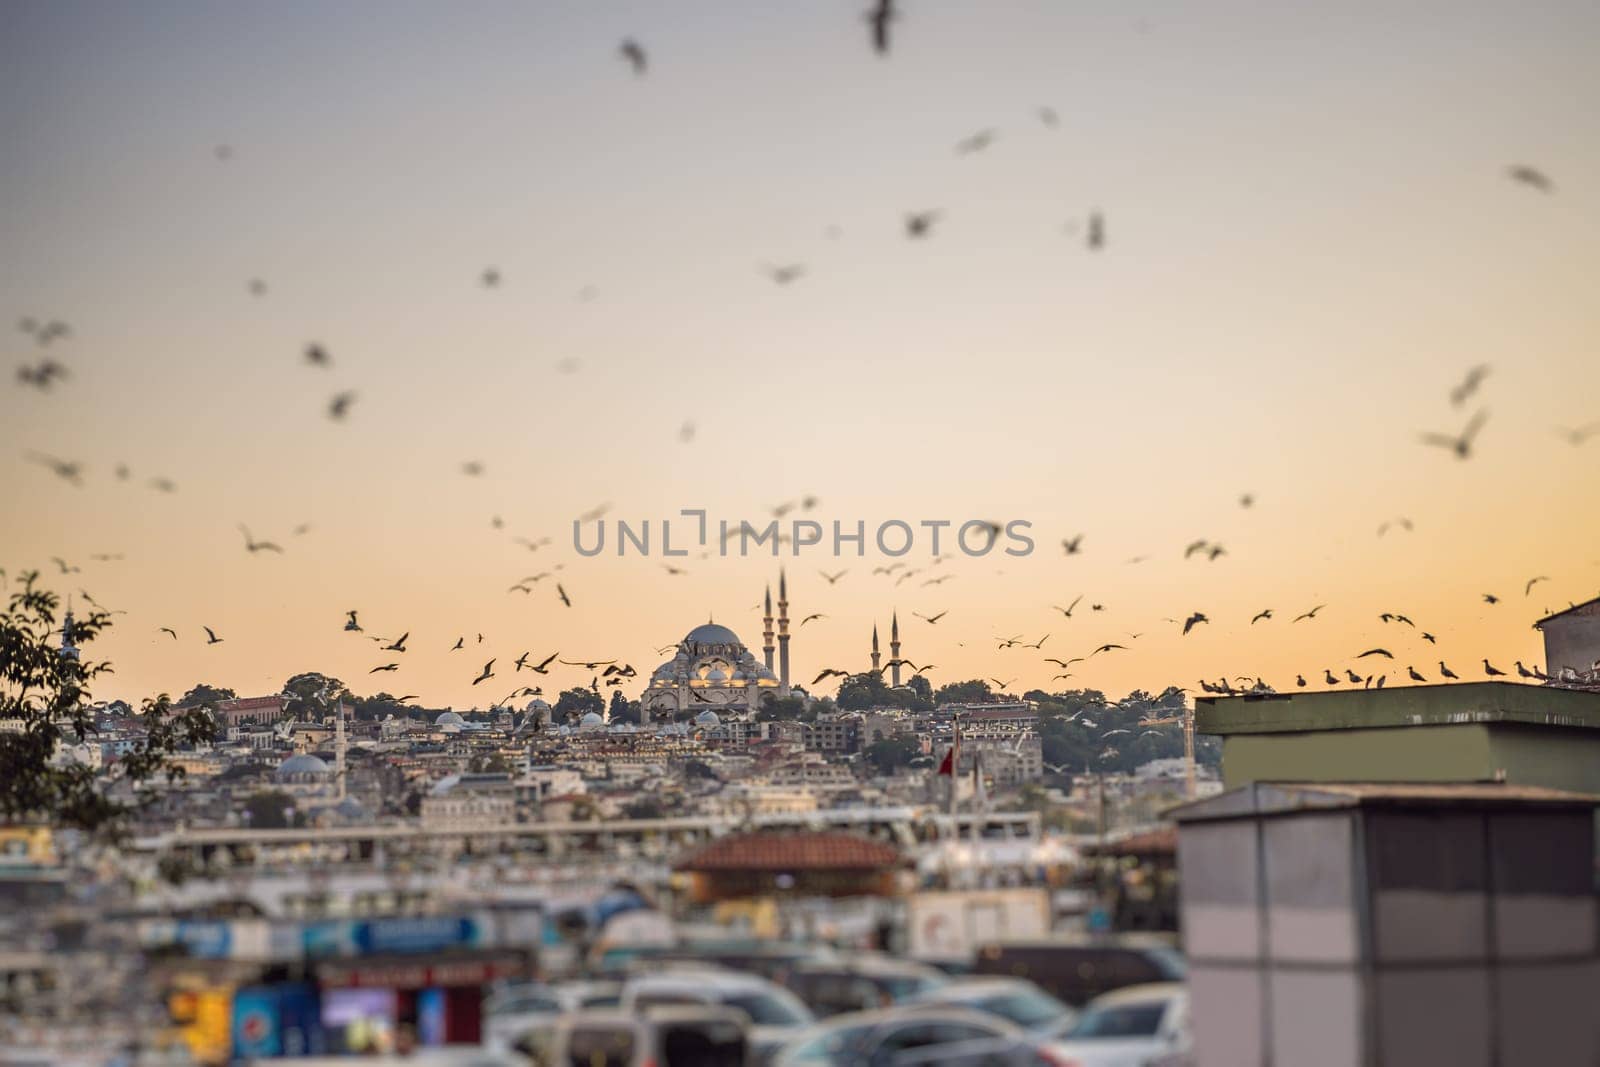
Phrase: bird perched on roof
pixel 1491 670
pixel 1447 672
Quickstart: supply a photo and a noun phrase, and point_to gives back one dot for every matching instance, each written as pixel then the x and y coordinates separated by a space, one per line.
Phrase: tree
pixel 271 810
pixel 785 709
pixel 47 693
pixel 492 763
pixel 975 691
pixel 576 703
pixel 312 695
pixel 205 696
pixel 891 754
pixel 861 691
pixel 644 808
pixel 622 709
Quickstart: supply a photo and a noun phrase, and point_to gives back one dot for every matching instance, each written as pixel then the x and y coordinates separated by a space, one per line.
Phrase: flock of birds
pixel 46 371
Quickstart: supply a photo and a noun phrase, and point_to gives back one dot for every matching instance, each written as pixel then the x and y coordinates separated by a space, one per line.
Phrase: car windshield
pixel 1138 1019
pixel 832 1046
pixel 904 986
pixel 1027 1008
pixel 1171 963
pixel 765 1009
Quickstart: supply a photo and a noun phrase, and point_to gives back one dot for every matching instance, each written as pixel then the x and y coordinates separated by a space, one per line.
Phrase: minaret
pixel 339 747
pixel 874 648
pixel 68 649
pixel 783 634
pixel 894 649
pixel 766 632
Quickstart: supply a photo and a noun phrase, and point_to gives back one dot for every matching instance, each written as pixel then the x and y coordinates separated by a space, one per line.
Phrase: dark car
pixel 1078 970
pixel 860 983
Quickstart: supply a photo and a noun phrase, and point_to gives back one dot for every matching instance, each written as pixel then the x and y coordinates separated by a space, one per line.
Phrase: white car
pixel 894 1035
pixel 775 1014
pixel 1016 1000
pixel 522 1006
pixel 1131 1027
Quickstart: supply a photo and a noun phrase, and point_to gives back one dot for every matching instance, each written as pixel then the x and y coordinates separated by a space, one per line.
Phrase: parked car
pixel 861 983
pixel 774 1013
pixel 662 1036
pixel 882 1038
pixel 1077 970
pixel 1016 1000
pixel 1132 1027
pixel 515 1008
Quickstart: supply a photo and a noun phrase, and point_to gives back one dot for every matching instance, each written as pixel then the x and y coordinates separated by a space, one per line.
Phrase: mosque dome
pixel 707 718
pixel 449 718
pixel 592 718
pixel 301 767
pixel 712 634
pixel 536 704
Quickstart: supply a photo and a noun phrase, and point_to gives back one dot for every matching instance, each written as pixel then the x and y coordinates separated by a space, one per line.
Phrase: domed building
pixel 449 718
pixel 713 671
pixel 304 775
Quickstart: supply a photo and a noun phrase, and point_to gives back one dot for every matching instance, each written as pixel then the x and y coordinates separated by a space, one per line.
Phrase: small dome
pixel 303 764
pixel 708 718
pixel 448 718
pixel 715 675
pixel 592 718
pixel 536 704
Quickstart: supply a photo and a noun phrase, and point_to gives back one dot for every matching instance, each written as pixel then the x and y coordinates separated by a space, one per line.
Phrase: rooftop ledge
pixel 1419 705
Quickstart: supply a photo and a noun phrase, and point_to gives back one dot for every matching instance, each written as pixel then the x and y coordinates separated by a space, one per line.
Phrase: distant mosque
pixel 894 650
pixel 712 670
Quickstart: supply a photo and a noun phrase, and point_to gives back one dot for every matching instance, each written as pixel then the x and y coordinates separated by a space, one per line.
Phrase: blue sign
pixel 204 940
pixel 416 934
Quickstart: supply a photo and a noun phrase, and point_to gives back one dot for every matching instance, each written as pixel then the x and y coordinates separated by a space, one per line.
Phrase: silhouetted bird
pixel 1461 445
pixel 1469 385
pixel 385 667
pixel 785 273
pixel 833 579
pixel 1192 621
pixel 1491 670
pixel 1328 677
pixel 634 53
pixel 339 406
pixel 920 223
pixel 1072 544
pixel 485 674
pixel 879 18
pixel 399 644
pixel 1446 671
pixel 1384 652
pixel 211 636
pixel 351 623
pixel 1095 236
pixel 252 545
pixel 1411 672
pixel 1263 614
pixel 1300 680
pixel 318 356
pixel 1531 177
pixel 975 143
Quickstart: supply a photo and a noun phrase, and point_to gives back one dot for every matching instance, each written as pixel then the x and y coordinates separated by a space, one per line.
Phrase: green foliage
pixel 622 709
pixel 975 691
pixel 573 704
pixel 312 695
pixel 378 706
pixel 202 695
pixel 858 692
pixel 1073 725
pixel 891 754
pixel 490 763
pixel 785 709
pixel 48 695
pixel 271 810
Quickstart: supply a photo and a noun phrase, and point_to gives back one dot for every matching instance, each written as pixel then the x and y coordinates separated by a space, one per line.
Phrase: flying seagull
pixel 920 223
pixel 1461 445
pixel 633 52
pixel 1192 621
pixel 211 636
pixel 932 618
pixel 485 674
pixel 1469 384
pixel 1530 176
pixel 1308 615
pixel 879 17
pixel 833 579
pixel 252 545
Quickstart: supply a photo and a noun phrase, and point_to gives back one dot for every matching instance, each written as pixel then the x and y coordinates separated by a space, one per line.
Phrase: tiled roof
pixel 775 851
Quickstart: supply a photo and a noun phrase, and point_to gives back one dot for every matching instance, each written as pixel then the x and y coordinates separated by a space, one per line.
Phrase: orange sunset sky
pixel 1311 238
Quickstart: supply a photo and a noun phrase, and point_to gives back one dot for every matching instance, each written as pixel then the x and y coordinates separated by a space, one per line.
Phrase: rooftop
pixel 1418 705
pixel 1281 798
pixel 769 851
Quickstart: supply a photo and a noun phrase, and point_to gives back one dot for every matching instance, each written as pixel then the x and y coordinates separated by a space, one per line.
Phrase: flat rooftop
pixel 1396 706
pixel 1278 798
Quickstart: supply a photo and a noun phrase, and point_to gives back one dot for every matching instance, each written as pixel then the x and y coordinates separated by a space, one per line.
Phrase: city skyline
pixel 1311 238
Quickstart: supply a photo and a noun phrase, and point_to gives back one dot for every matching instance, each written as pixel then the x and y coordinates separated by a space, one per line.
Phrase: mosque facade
pixel 711 670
